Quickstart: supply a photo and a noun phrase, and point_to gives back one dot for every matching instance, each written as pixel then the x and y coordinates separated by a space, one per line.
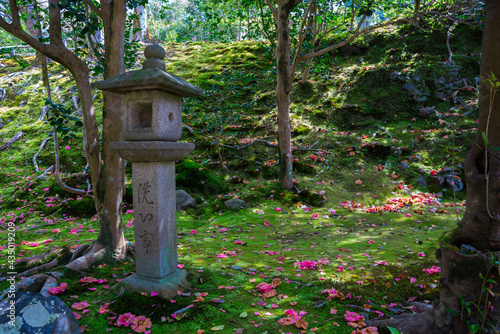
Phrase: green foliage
pixel 196 178
pixel 62 120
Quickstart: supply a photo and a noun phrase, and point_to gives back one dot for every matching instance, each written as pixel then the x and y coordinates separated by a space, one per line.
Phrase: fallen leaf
pixel 243 315
pixel 217 328
pixel 301 324
pixel 200 331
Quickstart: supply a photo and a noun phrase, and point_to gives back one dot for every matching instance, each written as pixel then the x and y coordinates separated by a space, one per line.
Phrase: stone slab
pixel 165 287
pixel 148 79
pixel 155 225
pixel 151 151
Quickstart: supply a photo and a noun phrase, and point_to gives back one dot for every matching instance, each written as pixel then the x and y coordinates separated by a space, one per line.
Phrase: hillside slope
pixel 390 107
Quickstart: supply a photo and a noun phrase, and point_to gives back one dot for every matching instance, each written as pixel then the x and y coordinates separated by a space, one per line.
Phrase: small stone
pixel 421 181
pixel 467 249
pixel 154 51
pixel 424 112
pixel 403 165
pixel 409 86
pixel 183 200
pixel 234 204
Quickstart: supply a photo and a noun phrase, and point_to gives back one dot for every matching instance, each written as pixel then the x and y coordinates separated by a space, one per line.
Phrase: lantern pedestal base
pixel 166 287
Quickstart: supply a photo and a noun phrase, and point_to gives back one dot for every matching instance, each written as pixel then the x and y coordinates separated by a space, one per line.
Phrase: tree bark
pixel 141 23
pixel 480 227
pixel 283 89
pixel 109 187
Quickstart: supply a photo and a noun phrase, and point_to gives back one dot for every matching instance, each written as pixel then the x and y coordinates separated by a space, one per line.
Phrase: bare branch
pixel 273 10
pixel 356 34
pixel 307 18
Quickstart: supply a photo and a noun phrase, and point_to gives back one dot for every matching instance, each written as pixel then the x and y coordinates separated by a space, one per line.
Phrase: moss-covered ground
pixel 369 226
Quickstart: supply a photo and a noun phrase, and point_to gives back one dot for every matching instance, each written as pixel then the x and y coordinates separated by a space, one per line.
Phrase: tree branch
pixel 14 10
pixel 55 31
pixel 273 10
pixel 356 34
pixel 96 10
pixel 306 18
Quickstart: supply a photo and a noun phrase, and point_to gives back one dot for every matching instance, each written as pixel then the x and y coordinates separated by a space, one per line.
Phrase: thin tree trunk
pixel 480 227
pixel 305 73
pixel 283 89
pixel 248 23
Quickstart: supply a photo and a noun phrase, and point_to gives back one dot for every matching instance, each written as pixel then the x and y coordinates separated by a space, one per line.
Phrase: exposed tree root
pixel 39 258
pixel 39 269
pixel 5 146
pixel 82 263
pixel 79 251
pixel 42 145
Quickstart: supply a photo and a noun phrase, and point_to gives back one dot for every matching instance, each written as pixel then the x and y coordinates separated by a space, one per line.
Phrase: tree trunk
pixel 480 227
pixel 141 23
pixel 283 89
pixel 108 189
pixel 307 69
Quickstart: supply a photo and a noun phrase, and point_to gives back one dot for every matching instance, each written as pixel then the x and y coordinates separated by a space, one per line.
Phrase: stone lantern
pixel 151 127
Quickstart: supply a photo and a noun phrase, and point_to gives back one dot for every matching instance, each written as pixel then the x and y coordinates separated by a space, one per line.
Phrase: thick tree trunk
pixel 109 187
pixel 283 89
pixel 480 227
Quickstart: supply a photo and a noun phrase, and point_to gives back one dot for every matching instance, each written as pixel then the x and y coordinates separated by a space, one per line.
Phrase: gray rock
pixel 467 107
pixel 403 165
pixel 440 81
pixel 421 323
pixel 440 95
pixel 442 317
pixel 409 86
pixel 424 112
pixel 421 181
pixel 234 204
pixel 35 313
pixel 419 98
pixel 183 200
pixel 466 249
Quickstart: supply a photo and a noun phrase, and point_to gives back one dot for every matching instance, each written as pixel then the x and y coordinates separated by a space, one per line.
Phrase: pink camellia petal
pixel 154 293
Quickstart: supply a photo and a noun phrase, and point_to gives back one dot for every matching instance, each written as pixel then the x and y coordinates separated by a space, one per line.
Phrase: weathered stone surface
pixel 154 51
pixel 409 86
pixel 421 181
pixel 166 287
pixel 149 79
pixel 183 200
pixel 31 284
pixel 460 277
pixel 35 314
pixel 421 323
pixel 151 115
pixel 152 151
pixel 403 165
pixel 424 112
pixel 155 227
pixel 234 204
